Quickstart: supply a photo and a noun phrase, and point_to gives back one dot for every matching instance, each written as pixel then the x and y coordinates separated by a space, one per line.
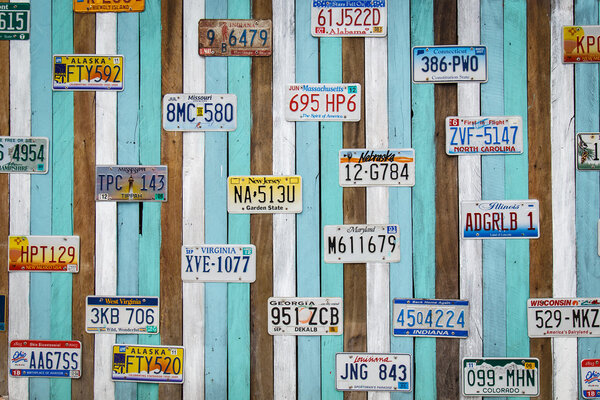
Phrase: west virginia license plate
pixel 87 72
pixel 305 316
pixel 218 263
pixel 590 378
pixel 15 19
pixel 96 6
pixel 431 318
pixel 45 359
pixel 23 154
pixel 587 151
pixel 563 317
pixel 373 372
pixel 264 194
pixel 199 112
pixel 235 37
pixel 361 243
pixel 500 219
pixel 581 44
pixel 500 377
pixel 323 102
pixel 122 315
pixel 348 18
pixel 441 64
pixel 151 364
pixel 131 183
pixel 363 167
pixel 484 135
pixel 43 253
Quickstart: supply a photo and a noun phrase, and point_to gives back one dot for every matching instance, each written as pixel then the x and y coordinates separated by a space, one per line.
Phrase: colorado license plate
pixel 587 151
pixel 373 372
pixel 590 378
pixel 45 359
pixel 153 364
pixel 361 243
pixel 431 318
pixel 580 44
pixel 500 219
pixel 484 135
pixel 43 253
pixel 305 316
pixel 87 72
pixel 234 37
pixel 218 263
pixel 323 102
pixel 348 18
pixel 440 64
pixel 23 154
pixel 563 317
pixel 15 20
pixel 96 6
pixel 264 194
pixel 199 112
pixel 131 183
pixel 503 377
pixel 122 315
pixel 363 167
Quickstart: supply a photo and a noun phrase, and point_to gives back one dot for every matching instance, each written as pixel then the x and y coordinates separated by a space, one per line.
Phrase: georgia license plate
pixel 45 359
pixel 15 20
pixel 234 37
pixel 587 151
pixel 363 167
pixel 264 194
pixel 43 253
pixel 484 135
pixel 373 372
pixel 440 64
pixel 361 243
pixel 563 317
pixel 305 316
pixel 580 44
pixel 590 378
pixel 131 183
pixel 96 6
pixel 122 315
pixel 323 102
pixel 431 318
pixel 348 18
pixel 500 219
pixel 504 377
pixel 153 364
pixel 218 263
pixel 199 112
pixel 23 154
pixel 87 72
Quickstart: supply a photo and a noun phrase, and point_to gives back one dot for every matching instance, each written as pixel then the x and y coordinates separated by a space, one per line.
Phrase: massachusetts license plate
pixel 500 219
pixel 96 6
pixel 500 377
pixel 305 316
pixel 264 194
pixel 45 359
pixel 122 315
pixel 581 44
pixel 323 102
pixel 87 72
pixel 373 372
pixel 440 64
pixel 218 263
pixel 23 154
pixel 364 167
pixel 131 183
pixel 199 112
pixel 153 364
pixel 588 157
pixel 484 135
pixel 348 18
pixel 431 318
pixel 15 20
pixel 563 317
pixel 361 243
pixel 234 37
pixel 43 253
pixel 590 378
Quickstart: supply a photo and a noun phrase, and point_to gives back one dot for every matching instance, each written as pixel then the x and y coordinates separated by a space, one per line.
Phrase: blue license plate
pixel 199 112
pixel 441 64
pixel 431 318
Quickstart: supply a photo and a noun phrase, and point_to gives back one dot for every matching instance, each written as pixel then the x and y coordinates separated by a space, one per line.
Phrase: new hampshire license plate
pixel 364 167
pixel 218 263
pixel 500 377
pixel 131 183
pixel 484 135
pixel 441 64
pixel 305 316
pixel 87 72
pixel 122 315
pixel 43 253
pixel 45 359
pixel 360 18
pixel 373 372
pixel 431 318
pixel 199 112
pixel 150 364
pixel 264 194
pixel 28 155
pixel 500 219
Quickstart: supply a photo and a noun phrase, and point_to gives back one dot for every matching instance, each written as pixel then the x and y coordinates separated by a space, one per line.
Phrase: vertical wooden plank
pixel 4 207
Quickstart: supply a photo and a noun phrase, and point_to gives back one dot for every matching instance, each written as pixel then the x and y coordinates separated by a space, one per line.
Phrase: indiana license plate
pixel 305 316
pixel 218 263
pixel 199 112
pixel 361 243
pixel 131 183
pixel 15 20
pixel 43 253
pixel 323 102
pixel 441 64
pixel 363 167
pixel 23 154
pixel 96 6
pixel 590 378
pixel 484 135
pixel 122 315
pixel 431 318
pixel 574 317
pixel 500 219
pixel 588 157
pixel 264 194
pixel 581 44
pixel 348 18
pixel 500 377
pixel 373 372
pixel 235 37
pixel 87 72
pixel 45 359
pixel 151 364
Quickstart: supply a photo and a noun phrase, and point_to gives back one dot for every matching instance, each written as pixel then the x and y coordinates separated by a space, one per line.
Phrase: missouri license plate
pixel 264 194
pixel 45 359
pixel 15 20
pixel 96 6
pixel 563 317
pixel 361 243
pixel 235 37
pixel 431 318
pixel 122 315
pixel 500 219
pixel 218 263
pixel 500 377
pixel 581 44
pixel 484 135
pixel 323 102
pixel 590 378
pixel 87 72
pixel 43 253
pixel 151 364
pixel 373 372
pixel 200 112
pixel 440 64
pixel 305 316
pixel 23 154
pixel 363 167
pixel 588 157
pixel 131 183
pixel 348 18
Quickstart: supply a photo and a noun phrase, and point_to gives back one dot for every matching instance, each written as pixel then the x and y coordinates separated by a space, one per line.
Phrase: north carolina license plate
pixel 45 359
pixel 373 372
pixel 563 317
pixel 305 316
pixel 587 151
pixel 131 183
pixel 590 378
pixel 504 377
pixel 361 243
pixel 218 263
pixel 431 318
pixel 484 135
pixel 581 44
pixel 440 64
pixel 96 6
pixel 43 253
pixel 153 364
pixel 264 194
pixel 323 102
pixel 364 167
pixel 500 219
pixel 348 18
pixel 122 315
pixel 87 72
pixel 23 154
pixel 235 37
pixel 15 20
pixel 199 112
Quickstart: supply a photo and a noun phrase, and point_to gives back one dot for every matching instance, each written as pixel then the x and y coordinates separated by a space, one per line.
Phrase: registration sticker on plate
pixel 364 167
pixel 590 378
pixel 96 6
pixel 235 37
pixel 15 20
pixel 43 253
pixel 87 72
pixel 218 263
pixel 199 112
pixel 580 44
pixel 442 64
pixel 361 243
pixel 122 315
pixel 500 377
pixel 305 316
pixel 587 151
pixel 347 18
pixel 373 372
pixel 575 317
pixel 431 318
pixel 264 194
pixel 131 183
pixel 500 219
pixel 484 135
pixel 45 359
pixel 138 363
pixel 323 102
pixel 19 154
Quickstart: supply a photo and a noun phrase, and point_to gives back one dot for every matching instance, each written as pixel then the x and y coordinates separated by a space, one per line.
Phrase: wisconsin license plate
pixel 440 64
pixel 154 364
pixel 199 112
pixel 484 135
pixel 96 6
pixel 122 315
pixel 581 44
pixel 363 167
pixel 131 183
pixel 218 263
pixel 500 219
pixel 235 37
pixel 45 359
pixel 563 317
pixel 373 372
pixel 323 102
pixel 590 378
pixel 500 377
pixel 23 154
pixel 305 316
pixel 264 194
pixel 431 318
pixel 43 253
pixel 15 21
pixel 348 18
pixel 87 72
pixel 587 151
pixel 361 243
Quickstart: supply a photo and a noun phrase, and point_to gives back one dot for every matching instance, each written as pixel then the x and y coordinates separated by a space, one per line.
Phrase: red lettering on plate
pixel 580 44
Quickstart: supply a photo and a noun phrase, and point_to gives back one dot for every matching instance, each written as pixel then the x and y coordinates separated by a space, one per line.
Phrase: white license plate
pixel 373 372
pixel 440 64
pixel 323 102
pixel 503 377
pixel 43 253
pixel 363 167
pixel 23 154
pixel 149 364
pixel 573 317
pixel 588 157
pixel 264 194
pixel 305 316
pixel 361 243
pixel 590 378
pixel 218 263
pixel 131 182
pixel 348 18
pixel 431 318
pixel 199 112
pixel 484 135
pixel 500 219
pixel 45 359
pixel 122 315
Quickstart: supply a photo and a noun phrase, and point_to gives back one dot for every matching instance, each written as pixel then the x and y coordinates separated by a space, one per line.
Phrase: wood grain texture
pixel 4 210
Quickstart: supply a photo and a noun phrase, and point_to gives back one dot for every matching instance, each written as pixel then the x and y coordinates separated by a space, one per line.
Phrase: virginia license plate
pixel 15 20
pixel 122 315
pixel 43 253
pixel 361 243
pixel 131 183
pixel 87 72
pixel 23 154
pixel 587 151
pixel 235 37
pixel 484 135
pixel 503 377
pixel 153 364
pixel 264 194
pixel 200 112
pixel 563 317
pixel 363 167
pixel 500 219
pixel 305 316
pixel 581 44
pixel 440 64
pixel 218 263
pixel 373 372
pixel 45 359
pixel 431 318
pixel 96 6
pixel 590 378
pixel 348 18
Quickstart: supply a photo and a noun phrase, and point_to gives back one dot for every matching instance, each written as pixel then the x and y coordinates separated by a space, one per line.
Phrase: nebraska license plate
pixel 563 317
pixel 431 318
pixel 27 155
pixel 581 44
pixel 373 372
pixel 96 6
pixel 218 263
pixel 45 359
pixel 348 18
pixel 587 151
pixel 15 20
pixel 122 315
pixel 500 219
pixel 305 316
pixel 235 37
pixel 442 64
pixel 131 183
pixel 361 243
pixel 364 167
pixel 43 253
pixel 264 194
pixel 150 364
pixel 500 377
pixel 199 112
pixel 590 378
pixel 484 135
pixel 87 72
pixel 323 102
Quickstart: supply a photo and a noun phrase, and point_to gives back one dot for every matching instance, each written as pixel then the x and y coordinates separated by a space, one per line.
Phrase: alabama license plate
pixel 151 364
pixel 43 253
pixel 323 102
pixel 45 359
pixel 484 135
pixel 348 18
pixel 361 243
pixel 218 263
pixel 500 219
pixel 305 316
pixel 590 378
pixel 373 372
pixel 500 377
pixel 23 154
pixel 441 64
pixel 15 20
pixel 87 72
pixel 587 151
pixel 364 167
pixel 122 315
pixel 264 194
pixel 581 44
pixel 199 112
pixel 131 183
pixel 96 6
pixel 563 317
pixel 431 318
pixel 235 37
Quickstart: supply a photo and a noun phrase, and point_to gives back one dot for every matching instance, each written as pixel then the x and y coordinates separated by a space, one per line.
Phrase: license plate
pixel 563 317
pixel 234 37
pixel 218 263
pixel 45 359
pixel 431 318
pixel 131 183
pixel 440 64
pixel 373 372
pixel 87 72
pixel 200 112
pixel 23 154
pixel 500 219
pixel 361 243
pixel 43 253
pixel 156 364
pixel 264 194
pixel 15 20
pixel 96 6
pixel 2 313
pixel 590 378
pixel 587 151
pixel 580 44
pixel 363 167
pixel 305 316
pixel 484 135
pixel 504 377
pixel 122 315
pixel 348 18
pixel 323 102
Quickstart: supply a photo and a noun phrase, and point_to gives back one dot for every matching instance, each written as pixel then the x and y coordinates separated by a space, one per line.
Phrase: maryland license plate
pixel 131 183
pixel 15 20
pixel 151 364
pixel 500 219
pixel 218 263
pixel 563 317
pixel 199 112
pixel 305 316
pixel 441 64
pixel 581 44
pixel 323 102
pixel 587 151
pixel 373 372
pixel 96 6
pixel 431 318
pixel 500 377
pixel 348 18
pixel 235 37
pixel 590 378
pixel 122 315
pixel 23 154
pixel 361 243
pixel 264 194
pixel 484 135
pixel 87 72
pixel 45 359
pixel 43 253
pixel 363 167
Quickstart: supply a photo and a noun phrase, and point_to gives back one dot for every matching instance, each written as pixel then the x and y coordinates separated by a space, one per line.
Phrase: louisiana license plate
pixel 264 194
pixel 363 167
pixel 235 37
pixel 373 372
pixel 563 317
pixel 87 72
pixel 500 219
pixel 43 253
pixel 500 377
pixel 348 18
pixel 131 183
pixel 587 151
pixel 581 44
pixel 361 243
pixel 23 154
pixel 15 19
pixel 218 263
pixel 45 359
pixel 442 64
pixel 151 364
pixel 122 315
pixel 96 6
pixel 431 318
pixel 484 135
pixel 305 316
pixel 590 378
pixel 199 112
pixel 323 102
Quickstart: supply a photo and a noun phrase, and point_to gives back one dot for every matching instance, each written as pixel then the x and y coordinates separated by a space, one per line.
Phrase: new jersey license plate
pixel 305 316
pixel 500 219
pixel 348 18
pixel 235 37
pixel 323 102
pixel 151 364
pixel 590 378
pixel 363 167
pixel 581 44
pixel 23 154
pixel 43 253
pixel 373 372
pixel 15 20
pixel 361 243
pixel 563 317
pixel 431 318
pixel 500 377
pixel 218 263
pixel 131 183
pixel 96 6
pixel 440 64
pixel 587 151
pixel 87 72
pixel 484 135
pixel 264 194
pixel 45 359
pixel 122 315
pixel 199 112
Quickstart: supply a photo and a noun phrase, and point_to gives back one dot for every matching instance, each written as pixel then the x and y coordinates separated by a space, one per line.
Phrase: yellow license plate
pixel 94 6
pixel 264 194
pixel 138 363
pixel 87 72
pixel 43 253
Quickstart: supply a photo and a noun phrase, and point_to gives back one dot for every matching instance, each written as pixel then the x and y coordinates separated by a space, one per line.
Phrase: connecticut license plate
pixel 364 167
pixel 500 219
pixel 581 44
pixel 373 372
pixel 361 243
pixel 484 135
pixel 574 317
pixel 235 37
pixel 218 263
pixel 45 359
pixel 587 151
pixel 23 154
pixel 154 364
pixel 43 253
pixel 96 6
pixel 87 72
pixel 15 20
pixel 123 315
pixel 431 318
pixel 264 194
pixel 131 183
pixel 305 316
pixel 323 102
pixel 440 64
pixel 500 377
pixel 199 112
pixel 590 378
pixel 348 18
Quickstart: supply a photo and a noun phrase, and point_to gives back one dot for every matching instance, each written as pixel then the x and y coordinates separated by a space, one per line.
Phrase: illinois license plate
pixel 122 315
pixel 563 317
pixel 305 316
pixel 15 21
pixel 218 263
pixel 200 112
pixel 373 372
pixel 590 378
pixel 131 183
pixel 348 18
pixel 96 6
pixel 361 243
pixel 264 194
pixel 45 359
pixel 581 44
pixel 440 64
pixel 431 318
pixel 87 72
pixel 234 37
pixel 43 253
pixel 363 167
pixel 587 151
pixel 155 364
pixel 500 377
pixel 23 154
pixel 500 219
pixel 323 102
pixel 484 135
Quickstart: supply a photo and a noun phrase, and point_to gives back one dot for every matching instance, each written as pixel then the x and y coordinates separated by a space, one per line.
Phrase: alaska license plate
pixel 431 318
pixel 23 154
pixel 264 194
pixel 150 364
pixel 43 253
pixel 323 102
pixel 361 243
pixel 131 183
pixel 199 112
pixel 348 18
pixel 305 316
pixel 96 6
pixel 574 317
pixel 218 263
pixel 590 378
pixel 500 377
pixel 443 64
pixel 581 44
pixel 235 37
pixel 122 315
pixel 364 167
pixel 373 372
pixel 500 219
pixel 588 157
pixel 484 135
pixel 45 359
pixel 15 20
pixel 87 72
